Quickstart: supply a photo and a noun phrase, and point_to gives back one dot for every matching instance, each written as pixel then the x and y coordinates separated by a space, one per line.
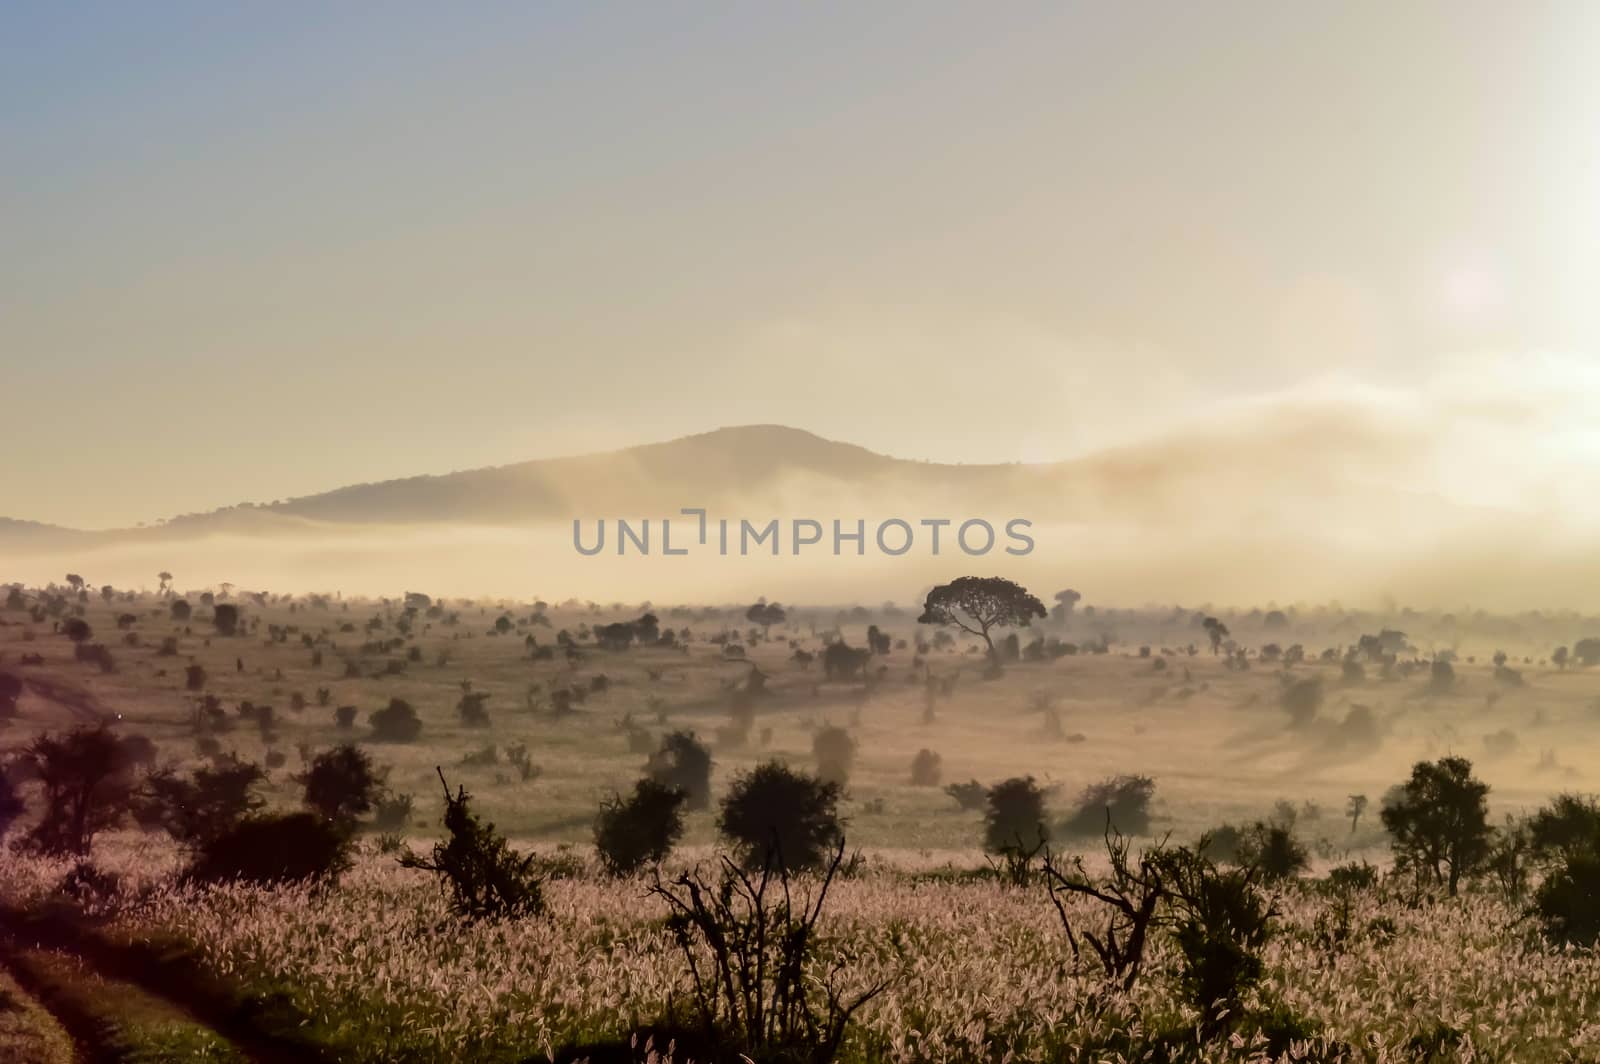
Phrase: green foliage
pixel 484 877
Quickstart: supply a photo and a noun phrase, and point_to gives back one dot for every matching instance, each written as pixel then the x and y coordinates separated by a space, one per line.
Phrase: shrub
pixel 225 618
pixel 395 723
pixel 1441 677
pixel 683 763
pixel 472 709
pixel 1565 901
pixel 206 805
pixel 926 768
pixel 1221 922
pixel 1301 698
pixel 1015 818
pixel 344 717
pixel 341 783
pixel 484 877
pixel 1272 848
pixel 1568 826
pixel 639 830
pixel 1123 801
pixel 391 812
pixel 767 994
pixel 273 849
pixel 776 816
pixel 835 752
pixel 1353 875
pixel 969 796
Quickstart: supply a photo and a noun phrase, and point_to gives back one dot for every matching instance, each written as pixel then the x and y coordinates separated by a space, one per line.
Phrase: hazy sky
pixel 252 251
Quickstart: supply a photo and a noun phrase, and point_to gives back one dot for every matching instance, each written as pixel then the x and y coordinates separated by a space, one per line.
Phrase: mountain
pixel 763 471
pixel 1314 501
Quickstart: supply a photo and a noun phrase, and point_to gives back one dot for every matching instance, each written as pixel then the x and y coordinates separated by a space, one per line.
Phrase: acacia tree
pixel 1216 631
pixel 766 614
pixel 1439 819
pixel 978 604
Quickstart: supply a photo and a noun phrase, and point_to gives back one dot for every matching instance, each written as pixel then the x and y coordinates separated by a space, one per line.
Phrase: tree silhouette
pixel 976 605
pixel 1440 821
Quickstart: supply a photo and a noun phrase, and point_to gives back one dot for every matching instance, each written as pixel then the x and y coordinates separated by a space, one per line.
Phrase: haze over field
pixel 1301 501
pixel 1293 312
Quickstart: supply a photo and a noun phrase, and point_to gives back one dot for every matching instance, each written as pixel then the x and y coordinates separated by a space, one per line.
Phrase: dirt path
pixel 133 1004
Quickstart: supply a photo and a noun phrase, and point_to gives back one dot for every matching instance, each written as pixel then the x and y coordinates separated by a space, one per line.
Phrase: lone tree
pixel 1216 631
pixel 1354 808
pixel 1065 600
pixel 766 614
pixel 977 604
pixel 1439 819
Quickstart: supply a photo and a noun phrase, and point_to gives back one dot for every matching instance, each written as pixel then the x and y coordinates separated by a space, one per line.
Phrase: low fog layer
pixel 1462 494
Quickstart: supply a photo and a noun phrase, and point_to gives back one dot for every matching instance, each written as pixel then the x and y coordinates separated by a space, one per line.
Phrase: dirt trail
pixel 133 1004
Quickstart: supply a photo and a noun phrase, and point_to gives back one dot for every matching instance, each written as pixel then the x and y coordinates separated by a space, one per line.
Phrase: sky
pixel 255 251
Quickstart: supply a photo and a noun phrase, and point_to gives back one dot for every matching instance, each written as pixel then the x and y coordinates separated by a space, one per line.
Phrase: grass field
pixel 984 970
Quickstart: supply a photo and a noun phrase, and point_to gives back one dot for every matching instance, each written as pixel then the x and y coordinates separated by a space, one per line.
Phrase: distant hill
pixel 774 471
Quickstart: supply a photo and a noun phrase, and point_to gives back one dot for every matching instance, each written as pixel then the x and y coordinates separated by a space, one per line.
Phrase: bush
pixel 395 723
pixel 1566 901
pixel 1221 922
pixel 768 993
pixel 391 812
pixel 775 816
pixel 274 849
pixel 926 768
pixel 683 763
pixel 1015 818
pixel 1301 699
pixel 205 806
pixel 835 752
pixel 225 618
pixel 341 783
pixel 484 877
pixel 639 830
pixel 1353 875
pixel 1568 826
pixel 1273 849
pixel 969 796
pixel 1124 800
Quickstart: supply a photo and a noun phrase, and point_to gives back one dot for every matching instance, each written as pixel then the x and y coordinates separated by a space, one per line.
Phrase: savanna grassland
pixel 1280 720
